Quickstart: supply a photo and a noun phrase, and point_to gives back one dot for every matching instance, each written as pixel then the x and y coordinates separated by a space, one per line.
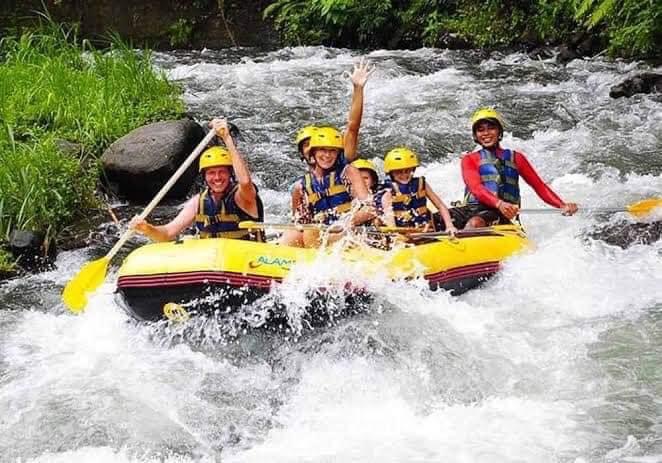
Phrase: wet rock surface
pixel 647 82
pixel 579 46
pixel 626 234
pixel 138 165
pixel 33 252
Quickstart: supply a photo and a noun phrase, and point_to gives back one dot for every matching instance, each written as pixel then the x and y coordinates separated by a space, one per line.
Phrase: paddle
pixel 92 274
pixel 639 209
pixel 250 225
pixel 465 233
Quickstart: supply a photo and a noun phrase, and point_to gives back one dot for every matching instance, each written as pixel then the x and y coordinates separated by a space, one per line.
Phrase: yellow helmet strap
pixel 300 147
pixel 307 159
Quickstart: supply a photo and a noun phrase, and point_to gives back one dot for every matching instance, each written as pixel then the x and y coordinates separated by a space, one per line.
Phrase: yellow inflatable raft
pixel 176 272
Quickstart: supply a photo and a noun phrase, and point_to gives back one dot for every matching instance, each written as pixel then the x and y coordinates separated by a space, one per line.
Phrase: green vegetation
pixel 633 27
pixel 54 87
pixel 7 264
pixel 628 27
pixel 180 32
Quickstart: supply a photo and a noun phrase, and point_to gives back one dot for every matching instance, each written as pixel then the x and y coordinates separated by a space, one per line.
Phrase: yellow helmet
pixel 364 164
pixel 303 133
pixel 400 158
pixel 486 114
pixel 214 157
pixel 326 137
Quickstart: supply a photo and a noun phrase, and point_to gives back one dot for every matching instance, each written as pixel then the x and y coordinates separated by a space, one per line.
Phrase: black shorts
pixel 461 215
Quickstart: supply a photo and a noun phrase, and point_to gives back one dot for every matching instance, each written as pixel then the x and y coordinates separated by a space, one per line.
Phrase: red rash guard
pixel 471 162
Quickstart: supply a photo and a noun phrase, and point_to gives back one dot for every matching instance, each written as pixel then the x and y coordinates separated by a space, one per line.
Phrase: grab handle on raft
pixel 93 273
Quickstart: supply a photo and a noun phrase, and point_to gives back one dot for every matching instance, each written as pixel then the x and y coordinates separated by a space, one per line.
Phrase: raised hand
pixel 221 128
pixel 361 73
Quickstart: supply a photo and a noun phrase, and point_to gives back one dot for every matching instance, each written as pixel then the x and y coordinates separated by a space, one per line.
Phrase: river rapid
pixel 557 359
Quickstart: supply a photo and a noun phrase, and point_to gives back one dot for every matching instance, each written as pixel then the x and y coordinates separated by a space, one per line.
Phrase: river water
pixel 555 359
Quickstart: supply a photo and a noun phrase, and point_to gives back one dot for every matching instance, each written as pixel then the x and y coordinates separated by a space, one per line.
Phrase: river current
pixel 557 359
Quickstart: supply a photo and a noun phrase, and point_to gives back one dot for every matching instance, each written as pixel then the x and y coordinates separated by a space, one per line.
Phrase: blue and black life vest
pixel 500 176
pixel 378 196
pixel 222 220
pixel 327 199
pixel 410 203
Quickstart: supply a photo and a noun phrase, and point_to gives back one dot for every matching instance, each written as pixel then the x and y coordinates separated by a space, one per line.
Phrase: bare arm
pixel 173 228
pixel 299 210
pixel 387 207
pixel 359 78
pixel 358 188
pixel 246 195
pixel 441 207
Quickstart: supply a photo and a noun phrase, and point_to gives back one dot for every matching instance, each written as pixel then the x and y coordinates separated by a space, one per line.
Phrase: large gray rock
pixel 137 165
pixel 646 82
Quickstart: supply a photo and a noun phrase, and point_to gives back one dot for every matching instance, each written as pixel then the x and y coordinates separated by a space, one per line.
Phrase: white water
pixel 556 359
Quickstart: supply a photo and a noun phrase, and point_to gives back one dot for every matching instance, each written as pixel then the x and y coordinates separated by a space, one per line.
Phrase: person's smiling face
pixel 218 178
pixel 487 134
pixel 403 176
pixel 325 157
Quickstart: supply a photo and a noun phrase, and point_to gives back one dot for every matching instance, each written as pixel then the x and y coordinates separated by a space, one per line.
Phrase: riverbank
pixel 64 101
pixel 627 29
pixel 555 360
pixel 630 29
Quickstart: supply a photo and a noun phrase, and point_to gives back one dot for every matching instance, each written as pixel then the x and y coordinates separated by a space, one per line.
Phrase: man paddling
pixel 230 197
pixel 491 176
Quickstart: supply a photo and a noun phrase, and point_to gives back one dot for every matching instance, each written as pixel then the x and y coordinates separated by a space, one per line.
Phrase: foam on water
pixel 523 369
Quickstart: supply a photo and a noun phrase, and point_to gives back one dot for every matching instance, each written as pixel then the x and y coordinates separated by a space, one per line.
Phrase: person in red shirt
pixel 491 176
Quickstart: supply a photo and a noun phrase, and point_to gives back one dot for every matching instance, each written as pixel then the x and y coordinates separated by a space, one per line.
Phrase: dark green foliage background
pixel 630 28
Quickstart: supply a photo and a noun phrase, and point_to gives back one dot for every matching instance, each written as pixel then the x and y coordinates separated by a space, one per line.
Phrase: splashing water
pixel 555 359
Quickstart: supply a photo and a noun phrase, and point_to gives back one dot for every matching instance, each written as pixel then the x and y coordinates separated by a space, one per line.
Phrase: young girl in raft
pixel 409 194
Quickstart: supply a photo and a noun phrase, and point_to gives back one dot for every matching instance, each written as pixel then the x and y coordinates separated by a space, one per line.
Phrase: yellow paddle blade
pixel 87 279
pixel 644 207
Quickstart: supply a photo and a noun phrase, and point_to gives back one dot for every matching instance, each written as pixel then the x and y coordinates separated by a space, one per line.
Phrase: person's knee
pixel 476 222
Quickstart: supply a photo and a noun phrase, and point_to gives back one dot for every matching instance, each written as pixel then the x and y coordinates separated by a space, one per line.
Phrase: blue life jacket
pixel 410 207
pixel 500 176
pixel 378 195
pixel 329 198
pixel 222 220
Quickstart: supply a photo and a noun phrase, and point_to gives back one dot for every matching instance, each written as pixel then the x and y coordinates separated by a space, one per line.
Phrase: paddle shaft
pixel 162 192
pixel 604 210
pixel 466 232
pixel 248 224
